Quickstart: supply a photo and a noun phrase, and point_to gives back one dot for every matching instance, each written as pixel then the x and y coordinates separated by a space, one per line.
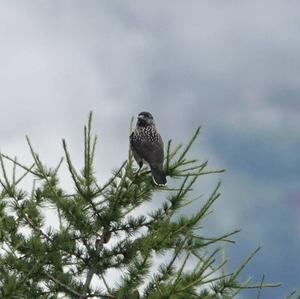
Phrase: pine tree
pixel 100 231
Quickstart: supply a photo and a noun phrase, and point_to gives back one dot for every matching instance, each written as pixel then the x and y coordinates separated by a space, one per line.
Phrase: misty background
pixel 232 67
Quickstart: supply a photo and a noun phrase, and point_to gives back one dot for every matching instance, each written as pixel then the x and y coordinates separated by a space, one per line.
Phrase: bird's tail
pixel 158 176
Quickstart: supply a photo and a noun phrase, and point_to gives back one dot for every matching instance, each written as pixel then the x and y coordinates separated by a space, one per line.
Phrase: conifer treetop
pixel 100 232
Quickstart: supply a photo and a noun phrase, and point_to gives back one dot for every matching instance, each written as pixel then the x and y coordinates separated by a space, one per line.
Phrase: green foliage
pixel 100 230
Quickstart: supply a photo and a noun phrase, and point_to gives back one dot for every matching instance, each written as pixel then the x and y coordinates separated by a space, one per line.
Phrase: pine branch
pixel 187 148
pixel 261 284
pixel 69 290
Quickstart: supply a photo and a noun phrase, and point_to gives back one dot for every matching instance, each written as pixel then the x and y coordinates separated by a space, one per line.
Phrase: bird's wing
pixel 137 157
pixel 152 152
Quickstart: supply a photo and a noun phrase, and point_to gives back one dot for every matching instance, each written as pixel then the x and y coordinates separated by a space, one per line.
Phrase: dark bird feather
pixel 147 145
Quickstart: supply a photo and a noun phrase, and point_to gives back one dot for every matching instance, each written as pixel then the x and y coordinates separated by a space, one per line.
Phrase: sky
pixel 232 67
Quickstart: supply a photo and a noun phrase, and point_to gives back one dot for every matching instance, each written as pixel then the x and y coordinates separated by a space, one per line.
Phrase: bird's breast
pixel 146 134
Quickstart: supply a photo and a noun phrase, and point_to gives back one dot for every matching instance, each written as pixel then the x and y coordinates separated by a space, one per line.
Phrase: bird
pixel 147 145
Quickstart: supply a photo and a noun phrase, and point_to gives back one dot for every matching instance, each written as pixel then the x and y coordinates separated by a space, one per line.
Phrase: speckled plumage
pixel 148 133
pixel 147 145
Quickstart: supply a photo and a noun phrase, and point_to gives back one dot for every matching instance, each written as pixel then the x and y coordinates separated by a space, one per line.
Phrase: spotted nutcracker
pixel 147 145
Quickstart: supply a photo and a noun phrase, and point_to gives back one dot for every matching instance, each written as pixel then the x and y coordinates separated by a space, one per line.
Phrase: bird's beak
pixel 140 117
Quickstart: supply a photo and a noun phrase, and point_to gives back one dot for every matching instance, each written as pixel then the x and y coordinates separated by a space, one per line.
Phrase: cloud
pixel 231 67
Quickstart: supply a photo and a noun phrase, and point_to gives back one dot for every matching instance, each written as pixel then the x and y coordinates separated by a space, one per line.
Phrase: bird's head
pixel 145 119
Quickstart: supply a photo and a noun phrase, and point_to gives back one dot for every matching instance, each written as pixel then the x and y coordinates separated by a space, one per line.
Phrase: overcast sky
pixel 232 67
